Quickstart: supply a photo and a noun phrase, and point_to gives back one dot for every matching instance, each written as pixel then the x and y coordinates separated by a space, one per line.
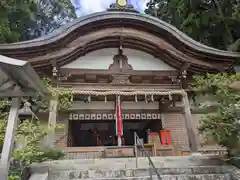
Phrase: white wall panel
pixel 101 59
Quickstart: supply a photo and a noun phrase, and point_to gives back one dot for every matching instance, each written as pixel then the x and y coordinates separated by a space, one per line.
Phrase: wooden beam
pixel 92 78
pixel 111 87
pixel 184 67
pixel 164 104
pixel 77 72
pixel 19 93
pixel 188 122
pixel 9 138
pixel 183 75
pixel 52 121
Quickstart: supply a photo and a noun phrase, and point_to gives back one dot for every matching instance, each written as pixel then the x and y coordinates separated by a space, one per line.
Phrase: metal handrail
pixel 138 142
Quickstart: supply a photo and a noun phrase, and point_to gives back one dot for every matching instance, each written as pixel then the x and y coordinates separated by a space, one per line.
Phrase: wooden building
pixel 146 61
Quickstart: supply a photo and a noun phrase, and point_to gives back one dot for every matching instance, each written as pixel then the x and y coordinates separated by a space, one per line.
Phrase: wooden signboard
pixel 111 116
pixel 119 152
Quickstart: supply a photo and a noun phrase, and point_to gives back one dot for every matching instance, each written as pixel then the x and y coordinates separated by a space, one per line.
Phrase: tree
pixel 10 28
pixel 223 125
pixel 212 22
pixel 49 15
pixel 30 133
pixel 24 20
pixel 4 109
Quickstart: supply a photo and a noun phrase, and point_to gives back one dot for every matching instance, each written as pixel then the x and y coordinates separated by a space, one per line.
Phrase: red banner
pixel 119 124
pixel 165 137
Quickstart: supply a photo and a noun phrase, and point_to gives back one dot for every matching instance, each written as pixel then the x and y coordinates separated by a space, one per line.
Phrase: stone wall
pixel 175 122
pixel 61 135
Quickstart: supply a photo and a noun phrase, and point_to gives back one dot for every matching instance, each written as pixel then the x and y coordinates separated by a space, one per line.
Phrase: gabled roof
pixel 18 78
pixel 131 30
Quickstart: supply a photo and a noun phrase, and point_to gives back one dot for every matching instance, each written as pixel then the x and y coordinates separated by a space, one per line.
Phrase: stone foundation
pixel 170 168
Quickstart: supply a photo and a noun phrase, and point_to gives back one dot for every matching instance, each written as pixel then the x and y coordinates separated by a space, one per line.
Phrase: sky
pixel 84 7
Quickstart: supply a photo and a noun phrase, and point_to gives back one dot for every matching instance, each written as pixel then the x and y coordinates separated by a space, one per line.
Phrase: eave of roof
pixel 64 31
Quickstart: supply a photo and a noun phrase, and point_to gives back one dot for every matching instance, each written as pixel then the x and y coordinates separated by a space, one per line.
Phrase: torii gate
pixel 17 79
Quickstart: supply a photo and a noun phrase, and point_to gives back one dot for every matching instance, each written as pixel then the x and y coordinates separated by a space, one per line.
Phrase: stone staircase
pixel 203 173
pixel 170 168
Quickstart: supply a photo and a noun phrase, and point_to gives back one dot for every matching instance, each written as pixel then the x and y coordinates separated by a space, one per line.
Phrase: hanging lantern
pixel 26 111
pixel 105 99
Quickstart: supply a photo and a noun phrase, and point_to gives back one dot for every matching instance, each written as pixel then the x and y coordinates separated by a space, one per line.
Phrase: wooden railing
pixel 84 152
pixel 128 151
pixel 106 152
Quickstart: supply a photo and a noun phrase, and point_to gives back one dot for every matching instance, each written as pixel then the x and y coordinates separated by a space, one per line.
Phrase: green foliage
pixel 4 104
pixel 235 161
pixel 53 153
pixel 24 20
pixel 15 170
pixel 3 122
pixel 215 22
pixel 13 19
pixel 30 134
pixel 64 95
pixel 223 125
pixel 12 177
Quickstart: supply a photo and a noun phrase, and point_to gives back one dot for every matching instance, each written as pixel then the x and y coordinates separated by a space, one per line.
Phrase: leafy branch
pixel 64 95
pixel 30 134
pixel 222 125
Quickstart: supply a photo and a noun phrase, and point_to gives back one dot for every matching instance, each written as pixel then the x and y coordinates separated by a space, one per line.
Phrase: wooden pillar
pixel 188 122
pixel 53 106
pixel 52 121
pixel 9 138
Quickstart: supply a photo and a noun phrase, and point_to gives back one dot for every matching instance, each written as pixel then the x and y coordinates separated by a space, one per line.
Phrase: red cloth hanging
pixel 119 123
pixel 162 137
pixel 165 137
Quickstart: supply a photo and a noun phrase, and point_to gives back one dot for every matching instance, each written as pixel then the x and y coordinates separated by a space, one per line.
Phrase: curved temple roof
pixel 132 30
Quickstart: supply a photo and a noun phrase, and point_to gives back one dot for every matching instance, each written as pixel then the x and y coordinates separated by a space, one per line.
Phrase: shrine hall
pixel 130 73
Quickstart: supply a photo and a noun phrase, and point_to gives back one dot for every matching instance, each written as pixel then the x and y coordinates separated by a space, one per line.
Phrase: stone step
pixel 163 177
pixel 137 172
pixel 130 163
